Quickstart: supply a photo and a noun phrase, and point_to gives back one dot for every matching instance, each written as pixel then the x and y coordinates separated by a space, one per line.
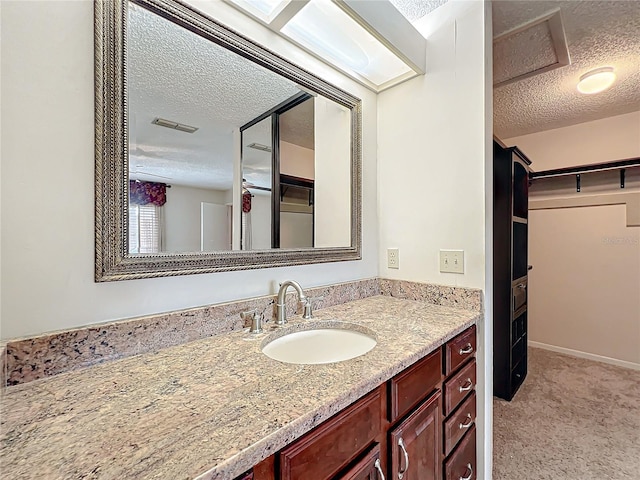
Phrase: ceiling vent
pixel 174 125
pixel 530 49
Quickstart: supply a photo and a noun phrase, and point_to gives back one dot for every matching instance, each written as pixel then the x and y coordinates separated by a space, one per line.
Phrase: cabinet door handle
pixel 467 386
pixel 466 350
pixel 468 477
pixel 467 422
pixel 401 472
pixel 377 465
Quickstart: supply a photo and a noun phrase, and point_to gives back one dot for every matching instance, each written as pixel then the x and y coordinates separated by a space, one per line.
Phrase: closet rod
pixel 595 167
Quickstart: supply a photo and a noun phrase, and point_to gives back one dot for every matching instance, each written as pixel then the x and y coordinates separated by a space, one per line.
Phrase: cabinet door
pixel 334 445
pixel 368 468
pixel 415 444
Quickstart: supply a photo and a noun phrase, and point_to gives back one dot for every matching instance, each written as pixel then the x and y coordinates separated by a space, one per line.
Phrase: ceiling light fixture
pixel 266 10
pixel 371 41
pixel 596 81
pixel 162 122
pixel 259 146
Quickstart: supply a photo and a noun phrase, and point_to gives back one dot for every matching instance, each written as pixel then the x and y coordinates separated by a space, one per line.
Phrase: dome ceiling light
pixel 596 81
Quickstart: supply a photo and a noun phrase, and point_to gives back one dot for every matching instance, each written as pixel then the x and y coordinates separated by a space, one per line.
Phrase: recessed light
pixel 596 81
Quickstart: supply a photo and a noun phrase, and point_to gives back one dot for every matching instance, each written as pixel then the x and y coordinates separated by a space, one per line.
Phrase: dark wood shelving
pixel 510 245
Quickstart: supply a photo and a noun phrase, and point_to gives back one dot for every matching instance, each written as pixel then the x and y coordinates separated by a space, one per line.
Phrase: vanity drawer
pixel 459 349
pixel 408 388
pixel 462 464
pixel 459 423
pixel 458 387
pixel 323 452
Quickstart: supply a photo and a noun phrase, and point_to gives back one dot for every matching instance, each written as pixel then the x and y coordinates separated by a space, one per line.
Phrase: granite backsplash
pixel 27 359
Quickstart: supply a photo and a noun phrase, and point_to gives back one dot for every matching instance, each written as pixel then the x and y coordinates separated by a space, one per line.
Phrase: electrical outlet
pixel 393 258
pixel 452 261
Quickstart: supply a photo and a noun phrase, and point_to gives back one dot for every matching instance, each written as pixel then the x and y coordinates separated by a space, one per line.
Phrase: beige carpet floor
pixel 571 419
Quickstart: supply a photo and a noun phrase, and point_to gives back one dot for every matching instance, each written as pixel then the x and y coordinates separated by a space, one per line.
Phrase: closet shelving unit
pixel 578 171
pixel 511 170
pixel 512 178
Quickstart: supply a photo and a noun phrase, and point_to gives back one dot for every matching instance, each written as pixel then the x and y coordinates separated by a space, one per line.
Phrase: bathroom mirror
pixel 213 153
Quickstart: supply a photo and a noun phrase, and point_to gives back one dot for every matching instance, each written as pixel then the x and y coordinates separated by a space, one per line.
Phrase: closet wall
pixel 583 289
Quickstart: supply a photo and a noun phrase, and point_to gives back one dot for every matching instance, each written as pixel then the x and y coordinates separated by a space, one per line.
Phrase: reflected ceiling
pixel 217 97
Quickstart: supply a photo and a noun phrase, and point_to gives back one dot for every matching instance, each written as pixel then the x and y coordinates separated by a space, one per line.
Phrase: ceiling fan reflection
pixel 248 185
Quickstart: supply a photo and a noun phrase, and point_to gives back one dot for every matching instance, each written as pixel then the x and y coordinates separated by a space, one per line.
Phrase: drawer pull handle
pixel 466 350
pixel 467 422
pixel 406 458
pixel 467 386
pixel 377 465
pixel 468 477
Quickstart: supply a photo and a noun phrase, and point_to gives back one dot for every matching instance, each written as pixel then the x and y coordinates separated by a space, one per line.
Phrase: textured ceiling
pixel 296 125
pixel 598 34
pixel 177 75
pixel 256 164
pixel 416 9
pixel 509 62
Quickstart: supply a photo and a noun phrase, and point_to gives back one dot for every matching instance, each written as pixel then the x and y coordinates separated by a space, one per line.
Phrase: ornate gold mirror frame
pixel 112 260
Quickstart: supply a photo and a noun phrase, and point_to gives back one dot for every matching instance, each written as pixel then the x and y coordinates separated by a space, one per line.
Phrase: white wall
pixel 431 150
pixel 435 170
pixel 260 220
pixel 583 289
pixel 48 173
pixel 332 188
pixel 1 337
pixel 607 139
pixel 296 230
pixel 296 161
pixel 182 216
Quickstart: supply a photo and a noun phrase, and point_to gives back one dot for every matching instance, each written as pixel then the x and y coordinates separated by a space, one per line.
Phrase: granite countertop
pixel 209 409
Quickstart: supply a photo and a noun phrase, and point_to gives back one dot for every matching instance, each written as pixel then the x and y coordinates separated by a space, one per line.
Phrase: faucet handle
pixel 308 310
pixel 256 320
pixel 308 306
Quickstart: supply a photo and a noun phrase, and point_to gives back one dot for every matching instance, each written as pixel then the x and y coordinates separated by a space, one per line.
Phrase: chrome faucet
pixel 281 312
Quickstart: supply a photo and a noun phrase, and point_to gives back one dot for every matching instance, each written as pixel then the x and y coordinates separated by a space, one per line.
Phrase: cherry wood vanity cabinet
pixel 415 443
pixel 459 408
pixel 245 476
pixel 336 444
pixel 370 467
pixel 414 415
pixel 420 425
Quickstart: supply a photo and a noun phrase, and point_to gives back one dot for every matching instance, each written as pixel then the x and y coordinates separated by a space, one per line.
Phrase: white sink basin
pixel 333 342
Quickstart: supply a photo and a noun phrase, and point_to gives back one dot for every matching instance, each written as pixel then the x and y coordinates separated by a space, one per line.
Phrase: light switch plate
pixel 452 261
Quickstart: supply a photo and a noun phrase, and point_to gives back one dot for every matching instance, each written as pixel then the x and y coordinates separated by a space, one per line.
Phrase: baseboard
pixel 588 356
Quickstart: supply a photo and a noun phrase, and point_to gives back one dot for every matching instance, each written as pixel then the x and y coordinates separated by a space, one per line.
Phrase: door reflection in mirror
pixel 257 152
